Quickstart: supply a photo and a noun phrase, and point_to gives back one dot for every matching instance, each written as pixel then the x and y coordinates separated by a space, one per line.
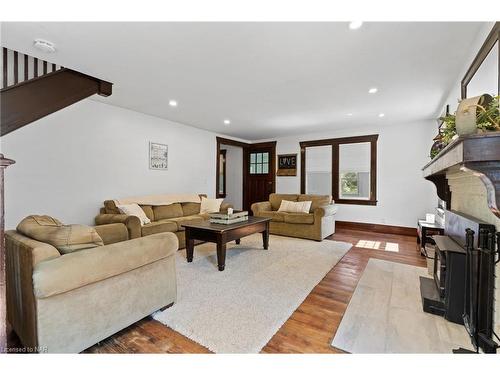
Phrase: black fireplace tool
pixel 480 280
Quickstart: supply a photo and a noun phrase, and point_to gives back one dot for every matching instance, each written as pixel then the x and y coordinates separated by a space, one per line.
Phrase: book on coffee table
pixel 235 217
pixel 229 221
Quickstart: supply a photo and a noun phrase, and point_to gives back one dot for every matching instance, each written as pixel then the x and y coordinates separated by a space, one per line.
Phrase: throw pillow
pixel 295 207
pixel 65 238
pixel 209 206
pixel 134 210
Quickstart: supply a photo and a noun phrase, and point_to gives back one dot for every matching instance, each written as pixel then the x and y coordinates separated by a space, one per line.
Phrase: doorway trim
pixel 246 147
pixel 229 142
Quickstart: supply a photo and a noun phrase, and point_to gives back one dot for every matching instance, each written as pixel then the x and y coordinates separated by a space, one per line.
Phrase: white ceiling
pixel 269 79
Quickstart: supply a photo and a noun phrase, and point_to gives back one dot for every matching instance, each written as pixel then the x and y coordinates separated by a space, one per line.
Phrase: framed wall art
pixel 158 156
pixel 287 165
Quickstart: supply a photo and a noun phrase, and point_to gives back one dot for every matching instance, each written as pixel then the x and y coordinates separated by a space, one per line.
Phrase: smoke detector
pixel 44 45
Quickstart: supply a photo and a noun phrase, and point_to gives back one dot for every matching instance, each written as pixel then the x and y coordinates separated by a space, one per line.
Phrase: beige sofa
pixel 66 302
pixel 318 224
pixel 166 218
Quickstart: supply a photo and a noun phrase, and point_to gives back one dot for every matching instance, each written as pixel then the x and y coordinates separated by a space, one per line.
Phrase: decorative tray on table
pixel 229 218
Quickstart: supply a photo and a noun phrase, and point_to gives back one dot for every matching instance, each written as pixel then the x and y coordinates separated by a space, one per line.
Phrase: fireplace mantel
pixel 477 153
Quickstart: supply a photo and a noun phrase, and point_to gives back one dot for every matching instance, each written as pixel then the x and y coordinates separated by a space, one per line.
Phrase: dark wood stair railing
pixel 14 63
pixel 38 95
pixel 26 98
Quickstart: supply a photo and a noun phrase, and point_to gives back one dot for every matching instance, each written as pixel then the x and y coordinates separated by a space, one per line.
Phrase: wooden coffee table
pixel 221 234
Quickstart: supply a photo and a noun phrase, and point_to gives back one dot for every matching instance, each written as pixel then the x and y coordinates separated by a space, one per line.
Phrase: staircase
pixel 33 88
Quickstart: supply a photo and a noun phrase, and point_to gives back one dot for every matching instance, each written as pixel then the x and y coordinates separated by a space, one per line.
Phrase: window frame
pixel 260 163
pixel 335 143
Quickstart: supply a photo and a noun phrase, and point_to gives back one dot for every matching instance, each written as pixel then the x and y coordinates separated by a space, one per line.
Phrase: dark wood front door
pixel 260 172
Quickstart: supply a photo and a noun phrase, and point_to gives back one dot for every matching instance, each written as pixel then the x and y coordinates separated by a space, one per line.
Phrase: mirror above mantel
pixel 483 76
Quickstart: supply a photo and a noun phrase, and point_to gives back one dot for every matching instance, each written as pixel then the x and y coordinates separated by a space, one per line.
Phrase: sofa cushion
pixel 148 210
pixel 189 208
pixel 110 207
pixel 295 207
pixel 210 205
pixel 317 200
pixel 275 199
pixel 167 211
pixel 65 238
pixel 134 209
pixel 274 215
pixel 179 221
pixel 299 218
pixel 161 226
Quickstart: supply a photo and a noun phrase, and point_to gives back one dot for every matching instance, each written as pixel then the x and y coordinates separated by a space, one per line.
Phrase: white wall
pixel 68 163
pixel 403 194
pixel 234 176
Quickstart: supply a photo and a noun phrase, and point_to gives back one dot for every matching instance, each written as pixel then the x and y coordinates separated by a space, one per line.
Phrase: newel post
pixel 4 163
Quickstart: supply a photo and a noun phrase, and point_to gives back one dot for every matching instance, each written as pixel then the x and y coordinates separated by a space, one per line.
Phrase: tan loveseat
pixel 318 224
pixel 60 302
pixel 164 218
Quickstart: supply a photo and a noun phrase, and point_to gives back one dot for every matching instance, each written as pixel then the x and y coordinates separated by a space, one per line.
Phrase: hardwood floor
pixel 310 329
pixel 312 326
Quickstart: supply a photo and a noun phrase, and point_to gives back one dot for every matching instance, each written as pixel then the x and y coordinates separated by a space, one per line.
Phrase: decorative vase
pixel 467 113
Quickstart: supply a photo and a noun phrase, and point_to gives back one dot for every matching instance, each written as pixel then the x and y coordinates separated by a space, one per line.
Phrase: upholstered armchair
pixel 67 298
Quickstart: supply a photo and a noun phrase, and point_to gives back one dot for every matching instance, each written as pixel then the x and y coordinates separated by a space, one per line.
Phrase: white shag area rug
pixel 385 315
pixel 240 309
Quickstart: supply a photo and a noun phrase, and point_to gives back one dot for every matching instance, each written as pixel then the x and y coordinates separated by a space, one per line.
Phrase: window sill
pixel 360 202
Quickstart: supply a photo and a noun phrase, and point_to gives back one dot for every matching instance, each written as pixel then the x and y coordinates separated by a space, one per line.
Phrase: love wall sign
pixel 287 165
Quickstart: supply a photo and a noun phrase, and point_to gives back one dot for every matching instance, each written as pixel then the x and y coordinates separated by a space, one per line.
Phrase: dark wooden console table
pixel 221 234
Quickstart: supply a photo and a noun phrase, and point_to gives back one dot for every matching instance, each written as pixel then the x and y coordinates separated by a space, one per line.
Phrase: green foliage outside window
pixel 349 183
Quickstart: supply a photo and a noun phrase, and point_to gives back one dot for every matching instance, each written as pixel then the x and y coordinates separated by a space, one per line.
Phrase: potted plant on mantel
pixel 475 115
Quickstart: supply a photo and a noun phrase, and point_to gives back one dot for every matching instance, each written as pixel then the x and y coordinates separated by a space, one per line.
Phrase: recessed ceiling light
pixel 355 25
pixel 44 45
pixel 381 114
pixel 373 90
pixel 227 122
pixel 172 103
pixel 349 114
